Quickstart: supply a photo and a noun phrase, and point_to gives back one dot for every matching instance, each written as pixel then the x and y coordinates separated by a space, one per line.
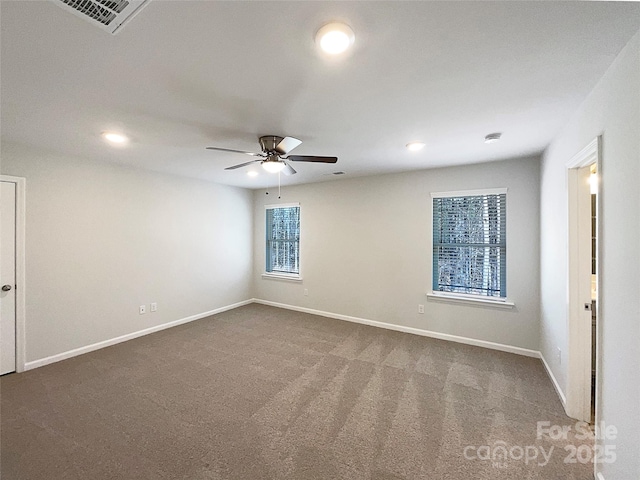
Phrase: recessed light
pixel 415 146
pixel 492 137
pixel 252 173
pixel 114 137
pixel 335 38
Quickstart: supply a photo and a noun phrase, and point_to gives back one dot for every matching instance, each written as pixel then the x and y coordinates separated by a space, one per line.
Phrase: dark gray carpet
pixel 264 393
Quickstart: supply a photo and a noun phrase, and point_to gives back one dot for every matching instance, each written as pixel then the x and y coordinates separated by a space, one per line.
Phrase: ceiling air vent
pixel 109 15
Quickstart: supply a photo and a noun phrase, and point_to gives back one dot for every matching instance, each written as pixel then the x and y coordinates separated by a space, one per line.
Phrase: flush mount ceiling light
pixel 335 38
pixel 115 138
pixel 415 146
pixel 492 137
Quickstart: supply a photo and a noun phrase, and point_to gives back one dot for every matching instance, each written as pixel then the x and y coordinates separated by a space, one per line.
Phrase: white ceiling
pixel 184 75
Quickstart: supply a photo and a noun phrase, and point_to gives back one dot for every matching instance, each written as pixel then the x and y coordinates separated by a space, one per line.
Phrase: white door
pixel 8 278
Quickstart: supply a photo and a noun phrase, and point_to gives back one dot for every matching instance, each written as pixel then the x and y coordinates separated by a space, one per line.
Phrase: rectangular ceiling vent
pixel 109 15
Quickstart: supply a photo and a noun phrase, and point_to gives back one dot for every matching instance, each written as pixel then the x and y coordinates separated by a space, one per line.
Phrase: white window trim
pixel 289 277
pixel 461 298
pixel 281 205
pixel 448 297
pixel 470 193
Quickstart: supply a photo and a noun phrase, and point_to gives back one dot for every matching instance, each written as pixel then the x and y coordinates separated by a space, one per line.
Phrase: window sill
pixel 452 298
pixel 282 276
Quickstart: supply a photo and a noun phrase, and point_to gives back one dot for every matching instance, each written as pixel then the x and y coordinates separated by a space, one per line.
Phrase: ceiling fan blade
pixel 288 170
pixel 235 151
pixel 287 144
pixel 243 164
pixel 311 158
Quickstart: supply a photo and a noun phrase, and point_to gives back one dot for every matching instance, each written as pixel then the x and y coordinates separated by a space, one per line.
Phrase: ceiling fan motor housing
pixel 268 143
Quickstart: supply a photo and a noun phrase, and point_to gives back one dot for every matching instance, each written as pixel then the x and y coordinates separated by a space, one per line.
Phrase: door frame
pixel 20 184
pixel 579 334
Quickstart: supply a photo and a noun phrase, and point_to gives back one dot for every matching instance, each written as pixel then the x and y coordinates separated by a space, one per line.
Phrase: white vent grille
pixel 110 15
pixel 103 12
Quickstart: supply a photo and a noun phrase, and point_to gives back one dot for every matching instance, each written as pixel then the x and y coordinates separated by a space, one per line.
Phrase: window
pixel 470 244
pixel 283 240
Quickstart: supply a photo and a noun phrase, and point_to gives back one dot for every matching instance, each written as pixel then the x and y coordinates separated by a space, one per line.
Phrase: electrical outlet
pixel 154 307
pixel 306 292
pixel 420 308
pixel 559 356
pixel 143 309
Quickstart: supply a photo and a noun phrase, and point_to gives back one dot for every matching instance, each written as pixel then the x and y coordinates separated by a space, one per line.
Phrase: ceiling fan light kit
pixel 273 166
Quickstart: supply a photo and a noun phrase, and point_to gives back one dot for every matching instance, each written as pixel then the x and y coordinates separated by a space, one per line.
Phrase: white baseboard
pixel 416 331
pixel 129 336
pixel 556 385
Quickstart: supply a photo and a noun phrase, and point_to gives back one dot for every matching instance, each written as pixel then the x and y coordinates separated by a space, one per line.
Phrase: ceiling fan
pixel 272 157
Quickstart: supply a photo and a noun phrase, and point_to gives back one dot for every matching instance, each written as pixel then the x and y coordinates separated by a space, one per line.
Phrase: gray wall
pixel 613 111
pixel 102 240
pixel 365 250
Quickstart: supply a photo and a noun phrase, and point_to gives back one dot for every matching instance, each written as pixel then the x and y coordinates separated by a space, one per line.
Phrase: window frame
pixel 466 298
pixel 296 277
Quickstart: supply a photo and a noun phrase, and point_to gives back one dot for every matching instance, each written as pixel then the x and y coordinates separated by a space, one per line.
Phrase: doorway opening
pixel 584 215
pixel 593 187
